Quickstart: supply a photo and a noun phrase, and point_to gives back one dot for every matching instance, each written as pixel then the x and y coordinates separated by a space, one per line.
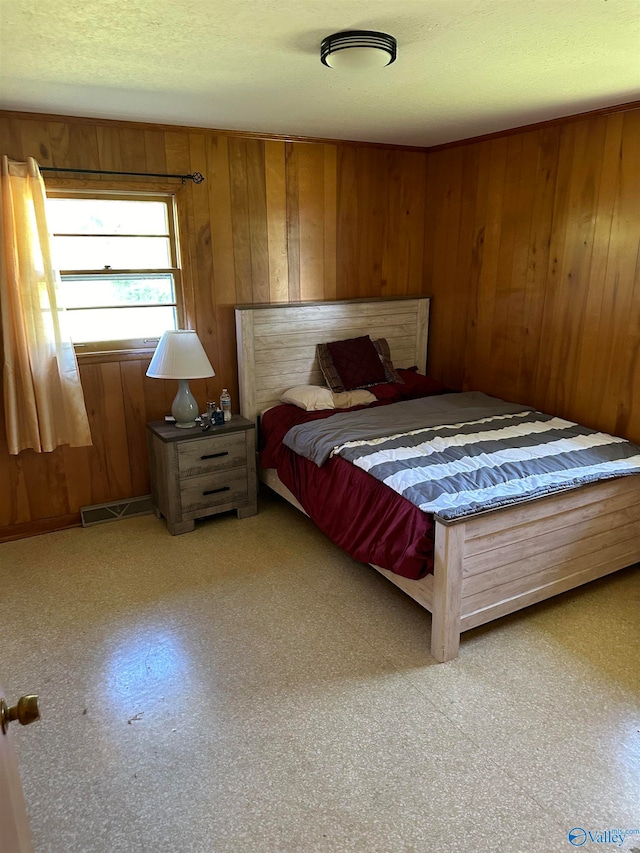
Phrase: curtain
pixel 43 400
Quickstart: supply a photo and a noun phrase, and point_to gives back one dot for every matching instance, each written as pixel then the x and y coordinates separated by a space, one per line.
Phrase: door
pixel 15 836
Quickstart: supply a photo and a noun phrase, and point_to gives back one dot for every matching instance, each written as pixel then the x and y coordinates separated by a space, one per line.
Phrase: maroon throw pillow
pixel 391 391
pixel 357 362
pixel 418 385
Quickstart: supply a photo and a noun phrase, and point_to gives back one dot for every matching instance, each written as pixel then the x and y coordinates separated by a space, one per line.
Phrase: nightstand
pixel 195 474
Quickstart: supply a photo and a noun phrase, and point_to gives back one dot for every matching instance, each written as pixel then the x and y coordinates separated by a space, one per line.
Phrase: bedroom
pixel 526 241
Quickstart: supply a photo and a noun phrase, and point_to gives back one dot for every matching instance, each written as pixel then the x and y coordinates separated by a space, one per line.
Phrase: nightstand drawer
pixel 215 453
pixel 210 490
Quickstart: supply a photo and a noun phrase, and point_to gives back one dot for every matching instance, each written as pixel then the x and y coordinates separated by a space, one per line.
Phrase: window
pixel 118 259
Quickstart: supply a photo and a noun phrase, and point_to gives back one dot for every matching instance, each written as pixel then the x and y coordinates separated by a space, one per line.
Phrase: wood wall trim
pixel 538 125
pixel 40 526
pixel 313 140
pixel 252 307
pixel 180 128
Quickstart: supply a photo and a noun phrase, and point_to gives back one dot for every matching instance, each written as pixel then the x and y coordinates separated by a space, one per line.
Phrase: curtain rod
pixel 196 177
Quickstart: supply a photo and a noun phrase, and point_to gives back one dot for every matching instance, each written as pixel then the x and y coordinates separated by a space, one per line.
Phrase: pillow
pixel 361 350
pixel 413 385
pixel 346 399
pixel 311 398
pixel 389 391
pixel 418 385
pixel 390 373
pixel 357 362
pixel 327 367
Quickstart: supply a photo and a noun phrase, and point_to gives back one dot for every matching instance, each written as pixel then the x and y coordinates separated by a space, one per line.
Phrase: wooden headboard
pixel 277 342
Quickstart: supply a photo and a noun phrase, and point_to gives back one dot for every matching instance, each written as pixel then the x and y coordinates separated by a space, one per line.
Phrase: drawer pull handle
pixel 215 455
pixel 215 491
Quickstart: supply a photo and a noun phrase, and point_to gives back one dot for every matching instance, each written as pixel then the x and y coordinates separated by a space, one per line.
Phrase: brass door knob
pixel 25 712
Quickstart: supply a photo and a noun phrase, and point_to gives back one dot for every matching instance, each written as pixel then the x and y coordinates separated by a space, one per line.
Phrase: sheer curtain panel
pixel 43 400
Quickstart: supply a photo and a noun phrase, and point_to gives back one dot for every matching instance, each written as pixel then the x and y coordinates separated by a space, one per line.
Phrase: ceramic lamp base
pixel 184 408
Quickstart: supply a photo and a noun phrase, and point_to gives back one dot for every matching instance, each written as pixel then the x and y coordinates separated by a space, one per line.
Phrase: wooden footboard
pixel 502 561
pixel 498 563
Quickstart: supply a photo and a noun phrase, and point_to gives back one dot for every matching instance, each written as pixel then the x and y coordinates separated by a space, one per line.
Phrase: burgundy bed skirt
pixel 364 517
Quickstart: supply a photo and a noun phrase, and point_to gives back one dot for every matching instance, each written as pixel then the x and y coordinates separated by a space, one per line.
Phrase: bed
pixel 486 566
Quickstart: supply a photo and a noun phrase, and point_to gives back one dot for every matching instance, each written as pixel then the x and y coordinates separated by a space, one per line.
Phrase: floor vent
pixel 100 513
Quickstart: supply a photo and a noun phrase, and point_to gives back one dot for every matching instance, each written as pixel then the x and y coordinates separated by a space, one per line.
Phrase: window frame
pixel 131 347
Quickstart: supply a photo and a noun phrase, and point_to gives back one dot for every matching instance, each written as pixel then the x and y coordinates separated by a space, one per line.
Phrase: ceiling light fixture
pixel 358 50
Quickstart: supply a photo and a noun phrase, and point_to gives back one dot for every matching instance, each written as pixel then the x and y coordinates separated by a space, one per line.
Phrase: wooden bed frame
pixel 486 566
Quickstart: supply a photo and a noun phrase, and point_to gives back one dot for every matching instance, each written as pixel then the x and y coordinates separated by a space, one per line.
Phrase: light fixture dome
pixel 358 50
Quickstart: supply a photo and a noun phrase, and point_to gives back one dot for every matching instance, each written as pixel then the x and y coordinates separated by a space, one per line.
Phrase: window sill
pixel 98 356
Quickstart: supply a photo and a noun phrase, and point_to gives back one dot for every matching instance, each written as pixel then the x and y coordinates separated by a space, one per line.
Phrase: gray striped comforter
pixel 477 454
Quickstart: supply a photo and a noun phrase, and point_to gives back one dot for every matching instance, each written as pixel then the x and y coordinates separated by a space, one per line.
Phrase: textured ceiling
pixel 464 67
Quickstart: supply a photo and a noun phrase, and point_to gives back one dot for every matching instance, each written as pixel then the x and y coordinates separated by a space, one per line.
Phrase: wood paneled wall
pixel 532 257
pixel 274 221
pixel 528 243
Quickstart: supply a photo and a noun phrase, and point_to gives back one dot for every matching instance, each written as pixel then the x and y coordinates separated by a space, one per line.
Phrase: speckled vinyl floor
pixel 248 688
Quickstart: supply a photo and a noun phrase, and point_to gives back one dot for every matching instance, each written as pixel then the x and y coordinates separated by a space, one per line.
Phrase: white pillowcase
pixel 359 397
pixel 311 398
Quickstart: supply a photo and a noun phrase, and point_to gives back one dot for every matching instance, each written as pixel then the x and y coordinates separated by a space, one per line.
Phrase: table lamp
pixel 180 355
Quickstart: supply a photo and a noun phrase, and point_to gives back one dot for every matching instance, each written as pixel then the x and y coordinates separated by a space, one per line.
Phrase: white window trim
pixel 132 347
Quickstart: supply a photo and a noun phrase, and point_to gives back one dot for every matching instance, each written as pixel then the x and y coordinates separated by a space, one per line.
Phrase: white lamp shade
pixel 180 355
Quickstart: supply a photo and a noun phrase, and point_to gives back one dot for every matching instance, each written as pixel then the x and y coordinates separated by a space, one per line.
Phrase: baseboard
pixel 38 527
